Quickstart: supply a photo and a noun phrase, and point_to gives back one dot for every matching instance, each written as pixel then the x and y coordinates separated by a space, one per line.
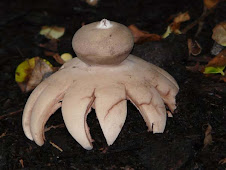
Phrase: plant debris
pixel 143 36
pixel 52 32
pixel 31 72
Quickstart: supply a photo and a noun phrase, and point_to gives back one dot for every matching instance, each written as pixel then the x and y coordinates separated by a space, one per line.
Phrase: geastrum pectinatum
pixel 103 77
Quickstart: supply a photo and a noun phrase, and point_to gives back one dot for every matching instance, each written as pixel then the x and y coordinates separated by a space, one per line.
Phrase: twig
pixel 10 114
pixel 200 19
pixel 55 146
pixel 54 127
pixel 20 52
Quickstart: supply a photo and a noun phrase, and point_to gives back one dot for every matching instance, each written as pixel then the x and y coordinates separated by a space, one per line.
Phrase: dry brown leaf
pixel 193 47
pixel 143 36
pixel 182 17
pixel 210 3
pixel 40 71
pixel 222 161
pixel 208 137
pixel 219 33
pixel 175 25
pixel 219 60
pixel 58 59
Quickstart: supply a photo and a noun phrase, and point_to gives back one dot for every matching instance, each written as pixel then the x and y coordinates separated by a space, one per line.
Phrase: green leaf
pixel 214 70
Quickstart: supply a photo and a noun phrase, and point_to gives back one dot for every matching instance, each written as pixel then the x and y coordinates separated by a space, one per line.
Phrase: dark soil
pixel 201 100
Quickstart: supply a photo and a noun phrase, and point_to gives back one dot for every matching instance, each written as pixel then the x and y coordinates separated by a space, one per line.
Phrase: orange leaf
pixel 210 3
pixel 182 17
pixel 143 36
pixel 219 60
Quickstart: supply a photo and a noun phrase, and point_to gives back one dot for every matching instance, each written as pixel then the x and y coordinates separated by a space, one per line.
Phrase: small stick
pixel 54 127
pixel 200 19
pixel 20 52
pixel 10 114
pixel 55 146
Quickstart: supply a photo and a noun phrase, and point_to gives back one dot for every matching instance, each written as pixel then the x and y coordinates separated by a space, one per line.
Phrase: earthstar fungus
pixel 103 77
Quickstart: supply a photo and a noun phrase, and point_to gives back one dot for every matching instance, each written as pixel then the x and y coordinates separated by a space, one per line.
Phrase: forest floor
pixel 201 101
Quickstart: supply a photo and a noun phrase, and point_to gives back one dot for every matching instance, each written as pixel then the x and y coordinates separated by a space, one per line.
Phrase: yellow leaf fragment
pixel 167 33
pixel 66 57
pixel 24 69
pixel 52 32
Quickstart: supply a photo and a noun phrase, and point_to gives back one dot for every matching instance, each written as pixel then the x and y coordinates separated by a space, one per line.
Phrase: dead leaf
pixel 219 33
pixel 41 71
pixel 143 36
pixel 208 137
pixel 182 17
pixel 52 32
pixel 219 60
pixel 31 72
pixel 210 3
pixel 174 27
pixel 222 161
pixel 193 47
